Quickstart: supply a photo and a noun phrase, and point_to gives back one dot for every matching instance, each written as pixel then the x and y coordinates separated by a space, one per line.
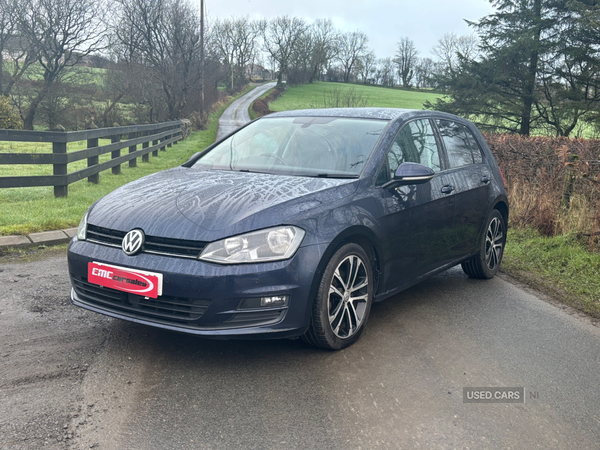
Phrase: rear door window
pixel 461 147
pixel 475 149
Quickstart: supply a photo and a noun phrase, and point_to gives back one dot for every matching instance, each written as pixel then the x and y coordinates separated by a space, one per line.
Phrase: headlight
pixel 271 244
pixel 82 229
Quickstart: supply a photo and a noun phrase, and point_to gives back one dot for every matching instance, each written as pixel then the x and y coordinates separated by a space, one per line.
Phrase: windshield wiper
pixel 249 171
pixel 334 175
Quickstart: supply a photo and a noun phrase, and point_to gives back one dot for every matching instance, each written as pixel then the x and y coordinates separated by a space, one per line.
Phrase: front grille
pixel 105 236
pixel 173 309
pixel 153 244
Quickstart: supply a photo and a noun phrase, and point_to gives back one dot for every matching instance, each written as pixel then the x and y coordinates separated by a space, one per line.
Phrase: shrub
pixel 261 105
pixel 9 119
pixel 553 184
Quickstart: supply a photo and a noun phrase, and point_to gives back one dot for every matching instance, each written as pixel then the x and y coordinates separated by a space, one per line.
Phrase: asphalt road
pixel 75 379
pixel 237 114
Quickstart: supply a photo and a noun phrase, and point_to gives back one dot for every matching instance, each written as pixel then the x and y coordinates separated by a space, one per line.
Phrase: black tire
pixel 350 312
pixel 486 263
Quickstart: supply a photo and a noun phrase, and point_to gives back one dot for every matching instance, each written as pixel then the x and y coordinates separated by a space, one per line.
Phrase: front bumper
pixel 199 297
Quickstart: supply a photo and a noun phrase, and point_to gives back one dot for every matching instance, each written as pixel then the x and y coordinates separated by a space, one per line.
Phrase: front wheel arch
pixel 342 303
pixel 358 235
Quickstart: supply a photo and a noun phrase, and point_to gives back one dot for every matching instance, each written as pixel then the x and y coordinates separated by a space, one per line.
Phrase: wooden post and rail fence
pixel 152 138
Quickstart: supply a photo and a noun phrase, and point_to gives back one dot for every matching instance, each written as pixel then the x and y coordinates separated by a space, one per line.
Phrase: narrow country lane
pixel 237 114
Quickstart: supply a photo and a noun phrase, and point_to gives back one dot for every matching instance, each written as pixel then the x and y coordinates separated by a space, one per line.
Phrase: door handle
pixel 447 189
pixel 485 179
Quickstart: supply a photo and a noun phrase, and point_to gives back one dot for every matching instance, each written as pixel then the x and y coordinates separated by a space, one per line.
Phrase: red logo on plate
pixel 126 280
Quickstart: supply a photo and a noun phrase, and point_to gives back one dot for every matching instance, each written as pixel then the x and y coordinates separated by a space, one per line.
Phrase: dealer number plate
pixel 147 284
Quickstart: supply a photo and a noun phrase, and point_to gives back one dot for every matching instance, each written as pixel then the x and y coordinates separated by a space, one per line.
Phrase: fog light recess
pixel 273 301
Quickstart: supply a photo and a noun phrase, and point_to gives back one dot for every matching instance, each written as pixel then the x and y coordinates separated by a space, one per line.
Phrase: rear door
pixel 470 176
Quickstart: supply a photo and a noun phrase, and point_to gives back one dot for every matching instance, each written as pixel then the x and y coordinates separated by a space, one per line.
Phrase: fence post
pixel 60 148
pixel 163 148
pixel 92 161
pixel 155 152
pixel 132 149
pixel 146 157
pixel 176 142
pixel 113 139
pixel 169 137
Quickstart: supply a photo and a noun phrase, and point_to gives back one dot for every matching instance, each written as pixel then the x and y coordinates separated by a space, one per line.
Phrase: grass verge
pixel 16 255
pixel 561 266
pixel 28 210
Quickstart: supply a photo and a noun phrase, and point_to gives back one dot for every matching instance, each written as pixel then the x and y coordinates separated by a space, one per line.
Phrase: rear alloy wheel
pixel 487 262
pixel 343 300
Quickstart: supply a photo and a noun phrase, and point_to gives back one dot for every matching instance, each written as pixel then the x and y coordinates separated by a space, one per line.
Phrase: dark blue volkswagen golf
pixel 294 225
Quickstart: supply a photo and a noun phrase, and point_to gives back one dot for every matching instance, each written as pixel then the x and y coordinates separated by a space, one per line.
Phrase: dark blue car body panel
pixel 412 232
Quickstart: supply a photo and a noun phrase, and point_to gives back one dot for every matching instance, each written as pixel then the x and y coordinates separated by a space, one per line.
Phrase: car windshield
pixel 304 146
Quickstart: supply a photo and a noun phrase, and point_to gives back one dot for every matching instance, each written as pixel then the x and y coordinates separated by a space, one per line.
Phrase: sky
pixel 384 21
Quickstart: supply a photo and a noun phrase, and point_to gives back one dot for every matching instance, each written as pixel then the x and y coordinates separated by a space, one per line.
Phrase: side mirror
pixel 410 173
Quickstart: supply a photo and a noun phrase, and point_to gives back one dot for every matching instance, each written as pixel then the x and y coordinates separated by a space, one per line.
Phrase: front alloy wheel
pixel 348 294
pixel 343 301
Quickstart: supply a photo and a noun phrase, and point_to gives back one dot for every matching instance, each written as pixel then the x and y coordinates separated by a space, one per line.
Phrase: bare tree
pixel 450 46
pixel 384 73
pixel 61 33
pixel 423 71
pixel 280 36
pixel 13 48
pixel 367 66
pixel 236 44
pixel 325 47
pixel 223 45
pixel 246 33
pixel 300 68
pixel 163 36
pixel 352 47
pixel 118 81
pixel 405 60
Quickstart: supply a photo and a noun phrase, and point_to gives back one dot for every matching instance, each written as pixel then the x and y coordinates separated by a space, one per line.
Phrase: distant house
pixel 257 71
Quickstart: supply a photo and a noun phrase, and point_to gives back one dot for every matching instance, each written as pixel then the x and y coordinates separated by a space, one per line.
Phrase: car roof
pixel 363 113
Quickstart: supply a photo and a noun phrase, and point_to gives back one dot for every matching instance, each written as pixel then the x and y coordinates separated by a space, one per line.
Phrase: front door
pixel 418 218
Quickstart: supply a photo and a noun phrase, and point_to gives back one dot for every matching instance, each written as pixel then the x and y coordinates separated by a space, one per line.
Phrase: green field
pixel 307 96
pixel 79 74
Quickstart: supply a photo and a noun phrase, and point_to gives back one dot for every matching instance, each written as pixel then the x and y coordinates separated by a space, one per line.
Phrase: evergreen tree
pixel 536 68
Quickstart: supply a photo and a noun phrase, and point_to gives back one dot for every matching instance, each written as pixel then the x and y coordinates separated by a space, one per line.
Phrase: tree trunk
pixel 33 106
pixel 170 100
pixel 109 108
pixel 532 72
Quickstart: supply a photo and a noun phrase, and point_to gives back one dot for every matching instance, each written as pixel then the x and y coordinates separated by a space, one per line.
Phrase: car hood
pixel 210 204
